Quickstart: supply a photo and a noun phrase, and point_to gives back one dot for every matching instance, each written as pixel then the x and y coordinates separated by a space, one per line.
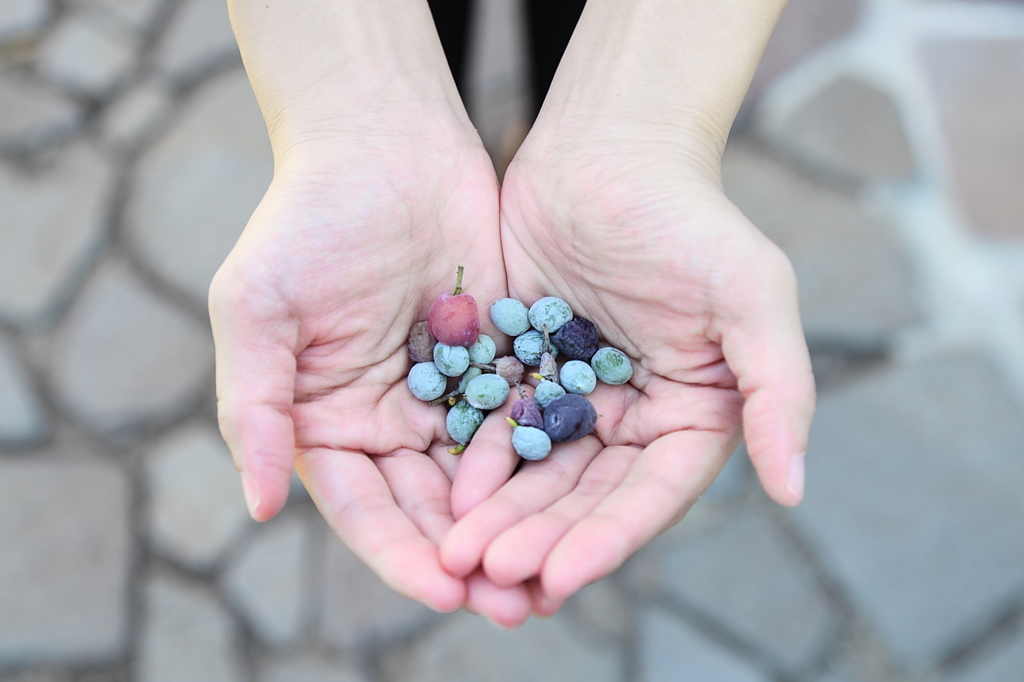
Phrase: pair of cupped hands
pixel 364 226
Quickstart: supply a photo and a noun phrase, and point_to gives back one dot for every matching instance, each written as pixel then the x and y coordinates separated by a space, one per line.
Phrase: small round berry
pixel 510 316
pixel 570 417
pixel 482 352
pixel 577 339
pixel 546 392
pixel 471 373
pixel 421 343
pixel 578 377
pixel 451 360
pixel 462 421
pixel 425 382
pixel 510 369
pixel 531 443
pixel 530 346
pixel 550 311
pixel 526 412
pixel 612 366
pixel 487 392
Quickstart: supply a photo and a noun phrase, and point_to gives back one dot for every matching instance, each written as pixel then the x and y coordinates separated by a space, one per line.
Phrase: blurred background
pixel 881 145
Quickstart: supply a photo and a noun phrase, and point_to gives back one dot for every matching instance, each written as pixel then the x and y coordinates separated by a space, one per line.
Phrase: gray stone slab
pixel 186 635
pixel 86 54
pixel 849 128
pixel 49 222
pixel 125 356
pixel 22 17
pixel 218 155
pixel 199 34
pixel 979 89
pixel 745 574
pixel 1003 662
pixel 468 649
pixel 914 500
pixel 196 508
pixel 129 118
pixel 269 579
pixel 137 13
pixel 22 416
pixel 671 650
pixel 356 607
pixel 65 560
pixel 308 668
pixel 32 111
pixel 855 283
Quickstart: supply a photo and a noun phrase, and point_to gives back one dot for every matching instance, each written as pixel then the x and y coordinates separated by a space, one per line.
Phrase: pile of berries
pixel 449 345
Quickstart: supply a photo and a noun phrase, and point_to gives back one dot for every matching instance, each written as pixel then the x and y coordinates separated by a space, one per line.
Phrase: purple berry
pixel 577 339
pixel 421 343
pixel 569 417
pixel 526 413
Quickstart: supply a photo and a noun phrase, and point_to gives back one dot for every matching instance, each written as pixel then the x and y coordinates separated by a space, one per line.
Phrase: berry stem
pixel 458 282
pixel 457 450
pixel 444 398
pixel 486 368
pixel 547 338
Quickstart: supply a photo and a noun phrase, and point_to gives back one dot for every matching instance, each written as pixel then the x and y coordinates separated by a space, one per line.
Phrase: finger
pixel 421 490
pixel 519 553
pixel 351 493
pixel 535 486
pixel 543 605
pixel 487 462
pixel 255 389
pixel 506 607
pixel 666 479
pixel 766 350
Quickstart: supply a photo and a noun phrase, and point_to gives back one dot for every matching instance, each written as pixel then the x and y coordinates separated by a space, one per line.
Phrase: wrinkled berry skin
pixel 510 369
pixel 569 418
pixel 526 412
pixel 421 343
pixel 548 369
pixel 577 339
pixel 454 319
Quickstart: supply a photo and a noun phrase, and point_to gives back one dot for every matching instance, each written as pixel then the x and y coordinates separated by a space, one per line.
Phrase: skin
pixel 614 203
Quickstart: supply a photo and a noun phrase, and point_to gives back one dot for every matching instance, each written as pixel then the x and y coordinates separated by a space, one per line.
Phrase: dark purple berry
pixel 569 417
pixel 526 412
pixel 421 343
pixel 510 369
pixel 576 339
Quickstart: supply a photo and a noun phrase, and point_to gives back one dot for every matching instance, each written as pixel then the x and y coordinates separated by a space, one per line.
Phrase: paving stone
pixel 979 89
pixel 199 34
pixel 749 577
pixel 602 609
pixel 308 668
pixel 196 508
pixel 137 13
pixel 268 580
pixel 805 26
pixel 134 114
pixel 21 17
pixel 33 113
pixel 854 281
pixel 671 650
pixel 849 128
pixel 468 649
pixel 217 155
pixel 87 55
pixel 64 568
pixel 357 607
pixel 124 356
pixel 49 222
pixel 1004 663
pixel 186 635
pixel 913 500
pixel 22 417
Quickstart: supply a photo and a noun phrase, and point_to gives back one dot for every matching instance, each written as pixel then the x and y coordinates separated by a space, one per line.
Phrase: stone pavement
pixel 882 146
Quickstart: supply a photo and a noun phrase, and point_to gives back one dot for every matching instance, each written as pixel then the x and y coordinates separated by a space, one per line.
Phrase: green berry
pixel 612 366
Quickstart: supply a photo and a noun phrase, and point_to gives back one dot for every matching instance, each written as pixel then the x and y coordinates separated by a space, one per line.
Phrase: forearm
pixel 676 66
pixel 327 66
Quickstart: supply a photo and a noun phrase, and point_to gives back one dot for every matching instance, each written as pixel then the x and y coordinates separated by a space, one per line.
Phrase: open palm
pixel 650 250
pixel 311 312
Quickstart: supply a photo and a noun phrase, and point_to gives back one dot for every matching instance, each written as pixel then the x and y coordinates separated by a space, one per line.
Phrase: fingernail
pixel 252 498
pixel 795 483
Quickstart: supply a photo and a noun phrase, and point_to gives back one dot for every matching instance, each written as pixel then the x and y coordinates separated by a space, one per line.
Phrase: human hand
pixel 638 237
